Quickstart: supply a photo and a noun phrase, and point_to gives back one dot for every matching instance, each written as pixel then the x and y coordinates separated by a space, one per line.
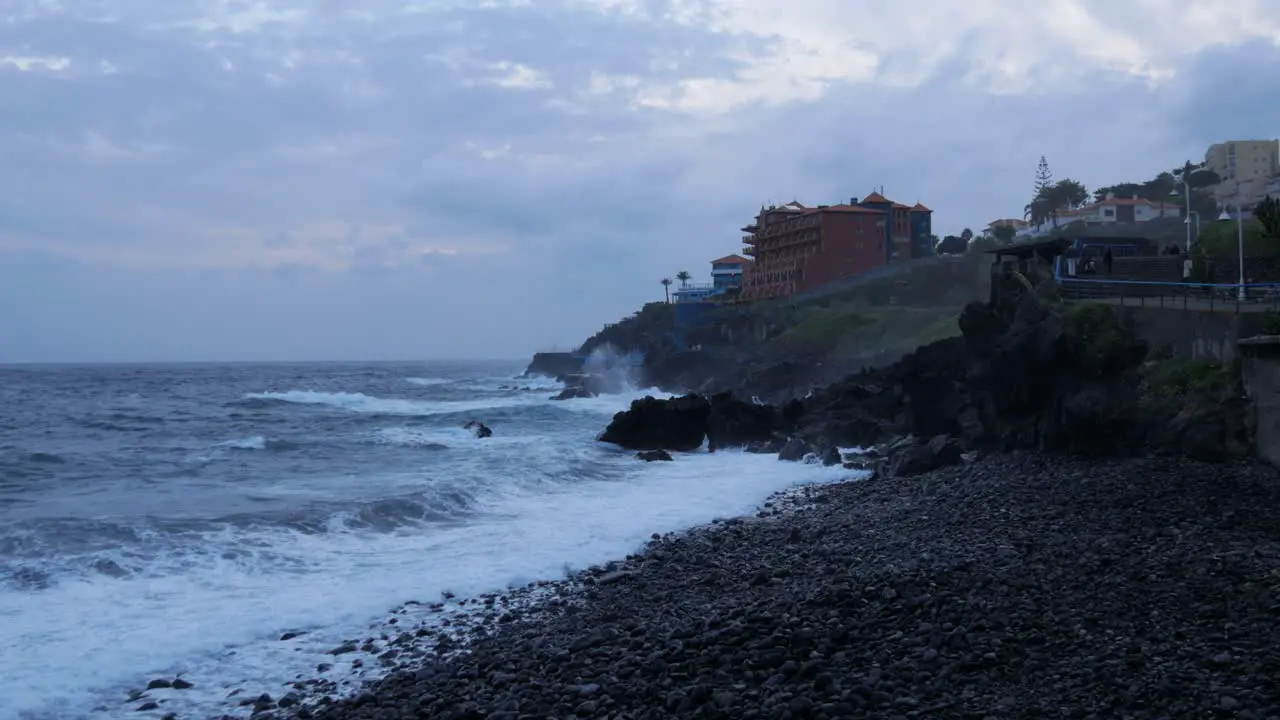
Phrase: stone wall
pixel 1197 335
pixel 1260 366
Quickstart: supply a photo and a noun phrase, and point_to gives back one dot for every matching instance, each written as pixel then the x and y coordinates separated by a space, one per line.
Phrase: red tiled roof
pixel 731 259
pixel 920 207
pixel 875 197
pixel 1124 201
pixel 845 208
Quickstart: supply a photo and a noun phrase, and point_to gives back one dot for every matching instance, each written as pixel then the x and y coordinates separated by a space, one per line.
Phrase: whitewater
pixel 178 520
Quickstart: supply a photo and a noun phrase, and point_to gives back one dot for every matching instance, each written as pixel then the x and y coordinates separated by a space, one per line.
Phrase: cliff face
pixel 782 349
pixel 558 365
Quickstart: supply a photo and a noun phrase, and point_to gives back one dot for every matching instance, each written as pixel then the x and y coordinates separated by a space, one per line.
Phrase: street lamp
pixel 1239 245
pixel 1186 193
pixel 1187 222
pixel 1184 174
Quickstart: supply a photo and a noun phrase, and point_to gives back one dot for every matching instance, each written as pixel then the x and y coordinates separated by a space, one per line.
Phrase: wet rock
pixel 571 393
pixel 794 450
pixel 678 424
pixel 480 429
pixel 654 455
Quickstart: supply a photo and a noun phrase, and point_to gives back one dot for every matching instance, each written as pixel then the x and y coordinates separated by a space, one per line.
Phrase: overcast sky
pixel 299 179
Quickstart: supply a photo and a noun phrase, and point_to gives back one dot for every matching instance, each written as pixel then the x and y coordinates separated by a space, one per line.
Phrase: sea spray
pixel 610 371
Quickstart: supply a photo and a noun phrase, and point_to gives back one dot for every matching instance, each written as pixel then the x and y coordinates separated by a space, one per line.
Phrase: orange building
pixel 797 248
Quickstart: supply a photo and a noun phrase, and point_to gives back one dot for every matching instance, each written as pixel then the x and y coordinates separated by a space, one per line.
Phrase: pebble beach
pixel 1017 586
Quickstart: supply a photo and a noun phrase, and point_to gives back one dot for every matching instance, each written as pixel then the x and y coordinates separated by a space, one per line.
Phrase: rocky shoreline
pixel 1089 563
pixel 1020 585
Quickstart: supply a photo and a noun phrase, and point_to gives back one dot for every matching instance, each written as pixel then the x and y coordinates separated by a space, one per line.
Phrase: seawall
pixel 1260 367
pixel 1192 334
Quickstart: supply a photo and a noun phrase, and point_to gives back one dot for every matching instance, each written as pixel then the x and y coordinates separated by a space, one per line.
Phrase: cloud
pixel 447 178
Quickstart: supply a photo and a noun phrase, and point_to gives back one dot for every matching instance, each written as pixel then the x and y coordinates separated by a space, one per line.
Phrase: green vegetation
pixel 1098 328
pixel 1268 213
pixel 1220 238
pixel 1271 323
pixel 642 329
pixel 858 327
pixel 824 327
pixel 1051 197
pixel 1178 376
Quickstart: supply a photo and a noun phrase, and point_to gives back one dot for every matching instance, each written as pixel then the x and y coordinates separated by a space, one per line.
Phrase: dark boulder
pixel 654 455
pixel 831 456
pixel 650 423
pixel 735 423
pixel 794 450
pixel 480 429
pixel 1202 427
pixel 916 457
pixel 570 393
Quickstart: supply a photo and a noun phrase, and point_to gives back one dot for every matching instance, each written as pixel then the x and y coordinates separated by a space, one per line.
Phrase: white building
pixel 1111 210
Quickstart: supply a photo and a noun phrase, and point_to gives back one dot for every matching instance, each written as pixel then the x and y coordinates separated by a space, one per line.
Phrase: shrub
pixel 1271 323
pixel 1179 376
pixel 1099 330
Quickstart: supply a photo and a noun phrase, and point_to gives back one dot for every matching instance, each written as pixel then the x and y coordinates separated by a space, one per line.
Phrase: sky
pixel 304 180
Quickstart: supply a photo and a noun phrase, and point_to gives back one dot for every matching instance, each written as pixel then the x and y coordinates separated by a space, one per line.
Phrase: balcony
pixel 749 251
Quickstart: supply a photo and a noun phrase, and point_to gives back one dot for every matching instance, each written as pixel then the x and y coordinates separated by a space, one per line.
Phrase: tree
pixel 683 276
pixel 1268 213
pixel 666 285
pixel 1068 193
pixel 1044 177
pixel 982 244
pixel 951 245
pixel 966 235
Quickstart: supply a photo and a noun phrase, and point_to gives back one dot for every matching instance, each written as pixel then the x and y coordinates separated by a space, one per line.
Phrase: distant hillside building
pixel 797 248
pixel 1243 160
pixel 726 273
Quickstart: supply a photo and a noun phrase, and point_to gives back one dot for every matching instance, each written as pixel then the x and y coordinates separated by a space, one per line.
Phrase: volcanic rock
pixel 480 429
pixel 678 424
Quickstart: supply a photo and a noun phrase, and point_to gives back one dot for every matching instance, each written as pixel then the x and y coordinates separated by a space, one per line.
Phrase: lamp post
pixel 1186 193
pixel 1187 222
pixel 1240 295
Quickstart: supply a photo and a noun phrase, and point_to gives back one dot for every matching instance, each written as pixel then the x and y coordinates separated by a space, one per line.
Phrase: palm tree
pixel 666 285
pixel 684 277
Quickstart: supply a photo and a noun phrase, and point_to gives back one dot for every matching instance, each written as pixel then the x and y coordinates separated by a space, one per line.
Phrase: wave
pixel 151 615
pixel 259 442
pixel 369 404
pixel 428 381
pixel 255 402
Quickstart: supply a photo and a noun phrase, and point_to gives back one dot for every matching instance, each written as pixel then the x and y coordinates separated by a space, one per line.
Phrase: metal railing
pixel 1210 297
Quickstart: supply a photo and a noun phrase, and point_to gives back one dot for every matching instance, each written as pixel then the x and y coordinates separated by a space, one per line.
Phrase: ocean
pixel 164 520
